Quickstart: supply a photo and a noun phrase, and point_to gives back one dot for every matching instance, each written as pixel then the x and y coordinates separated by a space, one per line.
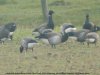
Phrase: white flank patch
pixel 9 39
pixel 45 41
pixel 90 40
pixel 3 39
pixel 14 25
pixel 70 30
pixel 30 45
pixel 11 33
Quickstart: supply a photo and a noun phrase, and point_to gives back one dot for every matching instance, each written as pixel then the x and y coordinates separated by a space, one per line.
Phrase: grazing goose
pixel 88 25
pixel 68 26
pixel 86 35
pixel 81 34
pixel 54 38
pixel 48 25
pixel 92 37
pixel 27 43
pixel 45 41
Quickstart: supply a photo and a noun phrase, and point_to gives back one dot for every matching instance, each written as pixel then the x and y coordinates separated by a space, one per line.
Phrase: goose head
pixel 87 15
pixel 51 12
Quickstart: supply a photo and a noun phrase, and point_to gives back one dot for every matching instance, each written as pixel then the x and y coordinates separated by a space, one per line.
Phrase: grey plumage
pixel 27 43
pixel 81 35
pixel 55 38
pixel 92 37
pixel 6 31
pixel 67 26
pixel 4 34
pixel 86 35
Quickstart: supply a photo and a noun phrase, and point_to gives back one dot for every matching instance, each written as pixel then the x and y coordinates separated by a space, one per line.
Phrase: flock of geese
pixel 46 33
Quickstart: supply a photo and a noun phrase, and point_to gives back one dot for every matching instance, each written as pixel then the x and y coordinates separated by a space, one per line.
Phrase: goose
pixel 11 27
pixel 54 38
pixel 6 31
pixel 88 25
pixel 81 34
pixel 92 37
pixel 96 28
pixel 48 25
pixel 68 26
pixel 27 43
pixel 45 41
pixel 4 34
pixel 86 35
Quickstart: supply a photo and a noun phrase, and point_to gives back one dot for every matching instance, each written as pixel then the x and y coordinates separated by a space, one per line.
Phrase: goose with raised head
pixel 48 25
pixel 88 25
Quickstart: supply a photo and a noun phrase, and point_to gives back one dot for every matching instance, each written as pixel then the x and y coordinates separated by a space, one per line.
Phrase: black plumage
pixel 48 25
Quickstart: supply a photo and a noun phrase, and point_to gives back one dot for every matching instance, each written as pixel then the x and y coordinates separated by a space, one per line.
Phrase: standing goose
pixel 88 25
pixel 27 43
pixel 54 38
pixel 48 25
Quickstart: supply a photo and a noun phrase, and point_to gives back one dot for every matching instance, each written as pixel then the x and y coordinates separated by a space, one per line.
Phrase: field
pixel 68 57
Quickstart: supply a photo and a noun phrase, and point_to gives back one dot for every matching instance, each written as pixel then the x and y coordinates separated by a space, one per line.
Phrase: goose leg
pixel 11 37
pixel 54 46
pixel 51 45
pixel 88 44
pixel 26 49
pixel 83 43
pixel 32 49
pixel 95 43
pixel 2 42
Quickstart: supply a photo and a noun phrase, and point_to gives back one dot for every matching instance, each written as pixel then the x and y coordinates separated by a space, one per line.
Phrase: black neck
pixel 64 37
pixel 50 22
pixel 87 20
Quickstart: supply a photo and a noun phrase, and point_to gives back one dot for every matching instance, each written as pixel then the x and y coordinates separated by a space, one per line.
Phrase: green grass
pixel 67 57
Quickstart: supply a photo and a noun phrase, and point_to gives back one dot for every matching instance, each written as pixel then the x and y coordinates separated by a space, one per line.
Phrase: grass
pixel 68 57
